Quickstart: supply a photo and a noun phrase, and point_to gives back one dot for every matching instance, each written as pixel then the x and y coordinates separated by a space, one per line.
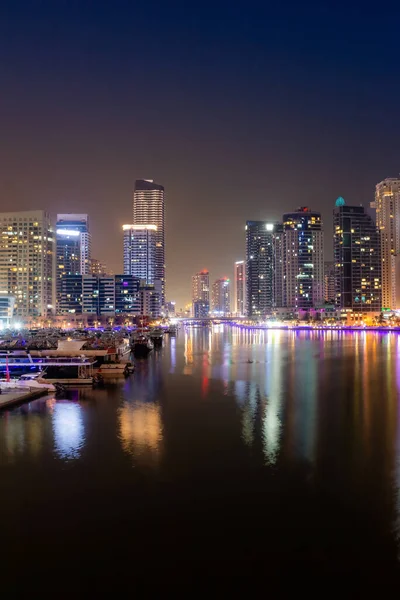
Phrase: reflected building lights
pixel 68 429
pixel 271 426
pixel 141 430
pixel 173 355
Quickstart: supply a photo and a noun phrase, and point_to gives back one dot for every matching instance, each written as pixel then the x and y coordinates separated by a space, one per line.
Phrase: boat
pixel 110 361
pixel 156 335
pixel 67 371
pixel 141 345
pixel 17 363
pixel 28 381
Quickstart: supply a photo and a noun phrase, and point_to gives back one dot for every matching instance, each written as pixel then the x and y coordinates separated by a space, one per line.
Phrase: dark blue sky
pixel 242 112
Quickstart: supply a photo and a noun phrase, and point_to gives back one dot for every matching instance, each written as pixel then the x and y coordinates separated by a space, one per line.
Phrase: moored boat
pixel 156 335
pixel 141 345
pixel 17 363
pixel 67 371
pixel 109 360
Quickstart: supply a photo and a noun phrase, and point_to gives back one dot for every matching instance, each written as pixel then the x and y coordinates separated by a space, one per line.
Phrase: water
pixel 228 454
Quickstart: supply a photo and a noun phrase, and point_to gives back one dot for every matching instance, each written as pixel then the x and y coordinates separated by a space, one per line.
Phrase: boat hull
pixel 141 350
pixel 118 370
pixel 157 341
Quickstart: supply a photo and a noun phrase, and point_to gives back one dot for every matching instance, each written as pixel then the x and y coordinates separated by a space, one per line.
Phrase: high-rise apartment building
pixel 107 295
pixel 221 297
pixel 260 267
pixel 74 244
pixel 387 206
pixel 140 249
pixel 201 294
pixel 240 288
pixel 73 248
pixel 329 281
pixel 148 209
pixel 357 259
pixel 27 259
pixel 303 259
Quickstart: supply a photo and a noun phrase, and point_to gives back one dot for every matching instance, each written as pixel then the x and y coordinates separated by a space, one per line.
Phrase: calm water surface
pixel 228 453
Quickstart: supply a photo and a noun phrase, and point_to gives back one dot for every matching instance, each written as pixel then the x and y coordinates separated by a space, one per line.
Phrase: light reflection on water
pixel 140 429
pixel 69 437
pixel 221 400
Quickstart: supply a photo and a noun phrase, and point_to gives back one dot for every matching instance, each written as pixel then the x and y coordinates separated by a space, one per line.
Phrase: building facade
pixel 303 259
pixel 109 295
pixel 127 297
pixel 140 250
pixel 149 209
pixel 73 248
pixel 221 297
pixel 357 259
pixel 240 288
pixel 260 267
pixel 387 206
pixel 7 304
pixel 201 294
pixel 150 301
pixel 329 281
pixel 27 260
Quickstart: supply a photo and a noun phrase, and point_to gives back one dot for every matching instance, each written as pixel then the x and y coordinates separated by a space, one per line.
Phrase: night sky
pixel 241 112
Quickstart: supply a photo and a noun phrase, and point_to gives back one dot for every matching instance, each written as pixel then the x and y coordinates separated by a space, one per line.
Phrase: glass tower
pixel 357 260
pixel 148 209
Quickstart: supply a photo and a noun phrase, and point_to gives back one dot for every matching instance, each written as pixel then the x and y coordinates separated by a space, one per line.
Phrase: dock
pixel 10 398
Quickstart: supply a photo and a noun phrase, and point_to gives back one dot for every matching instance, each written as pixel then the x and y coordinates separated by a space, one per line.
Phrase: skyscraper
pixel 221 297
pixel 73 248
pixel 140 252
pixel 303 259
pixel 201 294
pixel 357 259
pixel 148 209
pixel 240 288
pixel 260 267
pixel 74 244
pixel 387 205
pixel 27 259
pixel 329 280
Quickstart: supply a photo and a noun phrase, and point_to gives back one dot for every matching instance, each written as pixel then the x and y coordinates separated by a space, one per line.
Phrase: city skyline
pixel 77 134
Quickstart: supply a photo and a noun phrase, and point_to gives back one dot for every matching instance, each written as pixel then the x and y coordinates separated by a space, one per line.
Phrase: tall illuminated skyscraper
pixel 240 287
pixel 357 259
pixel 201 294
pixel 148 209
pixel 303 259
pixel 221 297
pixel 27 260
pixel 260 267
pixel 140 252
pixel 73 247
pixel 387 206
